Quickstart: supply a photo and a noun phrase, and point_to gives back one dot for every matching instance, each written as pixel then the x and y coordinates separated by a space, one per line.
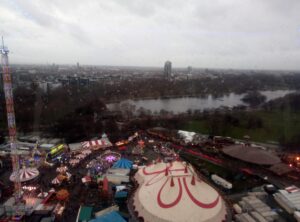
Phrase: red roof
pixel 122 148
pixel 105 184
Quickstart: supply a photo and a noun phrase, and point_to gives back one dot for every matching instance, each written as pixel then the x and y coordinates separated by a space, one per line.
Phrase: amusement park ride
pixel 7 88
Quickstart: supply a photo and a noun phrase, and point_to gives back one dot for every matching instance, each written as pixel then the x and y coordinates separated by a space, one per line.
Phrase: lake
pixel 181 105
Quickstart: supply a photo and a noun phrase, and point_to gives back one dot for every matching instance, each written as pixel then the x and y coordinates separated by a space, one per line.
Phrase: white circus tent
pixel 25 174
pixel 149 170
pixel 173 192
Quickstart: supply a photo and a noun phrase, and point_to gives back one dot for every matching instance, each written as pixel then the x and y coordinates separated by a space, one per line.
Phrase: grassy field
pixel 275 125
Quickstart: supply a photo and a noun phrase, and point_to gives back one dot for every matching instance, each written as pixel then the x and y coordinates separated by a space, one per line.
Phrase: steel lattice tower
pixel 8 92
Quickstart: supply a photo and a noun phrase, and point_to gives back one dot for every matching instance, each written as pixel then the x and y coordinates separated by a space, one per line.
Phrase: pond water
pixel 181 105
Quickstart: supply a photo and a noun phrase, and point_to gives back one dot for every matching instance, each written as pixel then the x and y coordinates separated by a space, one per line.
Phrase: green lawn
pixel 275 126
pixel 197 126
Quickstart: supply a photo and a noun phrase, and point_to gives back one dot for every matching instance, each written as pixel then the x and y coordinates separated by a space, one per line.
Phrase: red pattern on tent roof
pixel 175 202
pixel 160 175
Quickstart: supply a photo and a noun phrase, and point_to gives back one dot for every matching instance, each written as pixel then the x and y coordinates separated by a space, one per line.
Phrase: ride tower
pixel 10 112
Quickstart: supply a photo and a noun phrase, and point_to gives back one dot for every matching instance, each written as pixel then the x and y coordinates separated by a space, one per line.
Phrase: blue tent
pixel 109 217
pixel 121 194
pixel 123 163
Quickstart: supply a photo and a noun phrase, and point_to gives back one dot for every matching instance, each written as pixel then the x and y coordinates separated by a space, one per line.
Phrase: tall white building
pixel 168 70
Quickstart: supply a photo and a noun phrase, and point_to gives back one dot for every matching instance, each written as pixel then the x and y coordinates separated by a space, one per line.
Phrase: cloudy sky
pixel 202 33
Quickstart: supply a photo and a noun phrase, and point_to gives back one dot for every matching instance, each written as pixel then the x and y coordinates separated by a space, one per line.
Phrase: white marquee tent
pixel 173 192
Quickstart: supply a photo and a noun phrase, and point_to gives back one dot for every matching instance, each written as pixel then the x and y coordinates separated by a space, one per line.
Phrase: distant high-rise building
pixel 189 72
pixel 78 66
pixel 189 69
pixel 168 69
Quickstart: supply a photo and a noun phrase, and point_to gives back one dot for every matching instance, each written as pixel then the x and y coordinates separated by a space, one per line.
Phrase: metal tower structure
pixel 8 92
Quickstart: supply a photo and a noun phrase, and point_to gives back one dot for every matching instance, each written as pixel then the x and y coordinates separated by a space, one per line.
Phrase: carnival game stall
pixel 80 156
pixel 62 169
pixel 74 162
pixel 63 175
pixel 139 148
pixel 122 143
pixel 86 152
pixel 141 143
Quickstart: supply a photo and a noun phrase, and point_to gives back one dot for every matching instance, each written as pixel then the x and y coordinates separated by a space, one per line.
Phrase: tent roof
pixel 175 189
pixel 251 154
pixel 280 169
pixel 112 216
pixel 123 163
pixel 118 171
pixel 102 143
pixel 121 194
pixel 85 213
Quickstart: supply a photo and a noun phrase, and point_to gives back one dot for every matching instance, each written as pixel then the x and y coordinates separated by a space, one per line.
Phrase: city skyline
pixel 231 34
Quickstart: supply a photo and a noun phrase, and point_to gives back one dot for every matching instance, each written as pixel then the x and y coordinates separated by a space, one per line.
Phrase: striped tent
pixel 25 174
pixel 55 181
pixel 101 143
pixel 68 175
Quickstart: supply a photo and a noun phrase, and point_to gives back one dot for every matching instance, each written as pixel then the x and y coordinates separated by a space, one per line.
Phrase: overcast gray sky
pixel 202 33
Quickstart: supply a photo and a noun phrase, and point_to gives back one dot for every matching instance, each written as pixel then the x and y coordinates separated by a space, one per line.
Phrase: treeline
pixel 217 86
pixel 290 102
pixel 69 113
